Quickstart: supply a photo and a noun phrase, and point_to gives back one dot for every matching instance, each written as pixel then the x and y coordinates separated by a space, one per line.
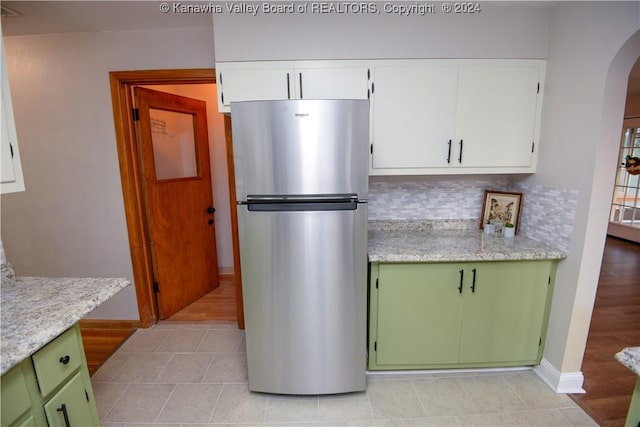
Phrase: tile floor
pixel 180 374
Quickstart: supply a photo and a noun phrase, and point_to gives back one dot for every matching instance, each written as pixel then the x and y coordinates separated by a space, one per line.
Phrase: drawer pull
pixel 473 283
pixel 65 359
pixel 63 409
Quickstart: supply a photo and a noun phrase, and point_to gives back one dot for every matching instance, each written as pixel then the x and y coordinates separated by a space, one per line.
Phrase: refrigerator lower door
pixel 304 279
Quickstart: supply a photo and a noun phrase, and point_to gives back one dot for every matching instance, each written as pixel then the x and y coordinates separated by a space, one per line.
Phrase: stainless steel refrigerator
pixel 301 171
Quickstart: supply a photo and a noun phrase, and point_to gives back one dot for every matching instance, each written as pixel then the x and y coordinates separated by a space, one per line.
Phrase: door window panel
pixel 174 144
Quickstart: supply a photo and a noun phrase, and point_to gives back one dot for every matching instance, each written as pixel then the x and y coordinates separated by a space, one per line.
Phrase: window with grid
pixel 625 208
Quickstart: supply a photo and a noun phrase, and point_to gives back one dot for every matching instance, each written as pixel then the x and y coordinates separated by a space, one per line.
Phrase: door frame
pixel 132 185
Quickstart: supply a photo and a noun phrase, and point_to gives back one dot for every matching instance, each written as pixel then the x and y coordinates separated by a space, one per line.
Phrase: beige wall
pixel 590 56
pixel 70 220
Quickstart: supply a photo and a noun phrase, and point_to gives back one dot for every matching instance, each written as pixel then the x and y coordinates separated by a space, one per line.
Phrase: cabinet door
pixel 254 83
pixel 413 116
pixel 11 179
pixel 70 405
pixel 419 314
pixel 332 83
pixel 496 112
pixel 14 395
pixel 504 311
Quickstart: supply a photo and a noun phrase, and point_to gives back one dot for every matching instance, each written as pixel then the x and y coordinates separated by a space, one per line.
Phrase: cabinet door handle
pixel 63 409
pixel 460 156
pixel 65 359
pixel 473 282
pixel 449 155
pixel 300 77
pixel 461 280
pixel 288 87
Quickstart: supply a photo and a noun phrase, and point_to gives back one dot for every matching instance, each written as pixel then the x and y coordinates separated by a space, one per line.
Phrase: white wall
pixel 500 30
pixel 70 221
pixel 582 119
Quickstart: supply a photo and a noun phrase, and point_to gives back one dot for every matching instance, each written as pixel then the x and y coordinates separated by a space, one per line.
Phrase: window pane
pixel 625 208
pixel 174 149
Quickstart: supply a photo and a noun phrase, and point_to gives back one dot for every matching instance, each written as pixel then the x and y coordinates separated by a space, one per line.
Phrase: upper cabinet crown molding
pixel 12 179
pixel 428 116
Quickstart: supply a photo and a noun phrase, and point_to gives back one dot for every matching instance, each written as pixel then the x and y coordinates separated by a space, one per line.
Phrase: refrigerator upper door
pixel 301 147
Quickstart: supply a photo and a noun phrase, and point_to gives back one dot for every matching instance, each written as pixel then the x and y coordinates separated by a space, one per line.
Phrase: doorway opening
pixel 132 178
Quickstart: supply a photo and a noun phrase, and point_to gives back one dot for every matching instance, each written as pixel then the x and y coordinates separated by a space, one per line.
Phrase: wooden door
pixel 174 152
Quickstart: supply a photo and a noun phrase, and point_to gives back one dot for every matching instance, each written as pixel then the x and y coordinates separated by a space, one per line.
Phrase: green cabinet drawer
pixel 57 360
pixel 15 395
pixel 70 405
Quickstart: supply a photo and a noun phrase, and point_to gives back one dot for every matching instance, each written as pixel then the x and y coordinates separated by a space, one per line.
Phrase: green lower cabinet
pixel 633 416
pixel 70 406
pixel 419 314
pixel 51 388
pixel 19 397
pixel 451 315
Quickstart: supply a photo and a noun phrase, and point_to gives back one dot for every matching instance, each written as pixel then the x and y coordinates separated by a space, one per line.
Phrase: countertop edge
pixel 18 345
pixel 630 358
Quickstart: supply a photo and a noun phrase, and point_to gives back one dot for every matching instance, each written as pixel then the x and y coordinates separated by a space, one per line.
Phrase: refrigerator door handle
pixel 310 202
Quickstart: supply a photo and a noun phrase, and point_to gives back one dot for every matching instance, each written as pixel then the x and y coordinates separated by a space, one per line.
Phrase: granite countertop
pixel 35 310
pixel 449 240
pixel 630 357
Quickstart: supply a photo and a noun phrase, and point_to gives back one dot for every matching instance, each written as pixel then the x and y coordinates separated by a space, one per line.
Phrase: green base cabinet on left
pixel 51 388
pixel 455 315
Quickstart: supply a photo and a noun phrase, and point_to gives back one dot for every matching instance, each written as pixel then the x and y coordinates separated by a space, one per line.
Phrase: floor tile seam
pixel 366 393
pixel 213 408
pixel 415 391
pixel 526 404
pixel 204 375
pixel 106 414
pixel 569 421
pixel 164 368
pixel 164 405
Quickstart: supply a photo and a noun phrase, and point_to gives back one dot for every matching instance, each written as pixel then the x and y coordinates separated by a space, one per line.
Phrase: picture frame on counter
pixel 501 206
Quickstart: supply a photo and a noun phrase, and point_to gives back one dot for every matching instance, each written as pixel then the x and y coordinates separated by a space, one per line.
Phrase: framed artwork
pixel 501 206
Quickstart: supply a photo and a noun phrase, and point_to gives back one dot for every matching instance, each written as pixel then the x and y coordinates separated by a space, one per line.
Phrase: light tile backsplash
pixel 547 213
pixel 414 198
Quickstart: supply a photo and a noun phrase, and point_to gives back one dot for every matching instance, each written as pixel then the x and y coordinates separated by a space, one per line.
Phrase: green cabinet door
pixel 15 400
pixel 504 311
pixel 419 314
pixel 447 315
pixel 70 406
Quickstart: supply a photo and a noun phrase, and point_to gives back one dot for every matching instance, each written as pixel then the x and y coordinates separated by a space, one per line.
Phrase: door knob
pixel 211 210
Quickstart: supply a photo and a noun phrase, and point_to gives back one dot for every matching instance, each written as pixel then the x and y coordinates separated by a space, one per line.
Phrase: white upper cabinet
pixel 11 173
pixel 275 80
pixel 413 116
pixel 428 116
pixel 496 115
pixel 455 116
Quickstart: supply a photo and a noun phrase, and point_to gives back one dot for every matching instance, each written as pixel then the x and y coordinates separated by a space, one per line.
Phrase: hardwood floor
pixel 219 304
pixel 615 324
pixel 100 338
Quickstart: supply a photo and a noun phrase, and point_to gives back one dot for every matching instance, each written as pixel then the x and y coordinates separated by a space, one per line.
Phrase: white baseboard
pixel 569 382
